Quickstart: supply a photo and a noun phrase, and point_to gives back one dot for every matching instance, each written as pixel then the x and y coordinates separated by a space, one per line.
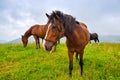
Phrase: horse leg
pixel 53 49
pixel 95 40
pixel 81 61
pixel 98 40
pixel 76 56
pixel 36 41
pixel 90 41
pixel 59 41
pixel 42 40
pixel 70 54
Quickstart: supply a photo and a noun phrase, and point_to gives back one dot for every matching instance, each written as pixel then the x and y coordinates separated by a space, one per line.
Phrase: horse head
pixel 24 40
pixel 54 31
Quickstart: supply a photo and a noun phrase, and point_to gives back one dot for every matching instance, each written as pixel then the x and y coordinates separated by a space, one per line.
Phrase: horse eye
pixel 54 27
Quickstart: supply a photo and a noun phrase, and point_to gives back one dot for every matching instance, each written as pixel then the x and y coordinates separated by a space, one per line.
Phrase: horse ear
pixel 55 15
pixel 47 15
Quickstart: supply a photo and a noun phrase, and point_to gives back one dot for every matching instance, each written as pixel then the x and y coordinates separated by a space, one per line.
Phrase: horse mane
pixel 69 21
pixel 28 32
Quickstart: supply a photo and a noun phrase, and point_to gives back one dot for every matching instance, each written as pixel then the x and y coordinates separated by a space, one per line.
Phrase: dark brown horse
pixel 94 36
pixel 77 35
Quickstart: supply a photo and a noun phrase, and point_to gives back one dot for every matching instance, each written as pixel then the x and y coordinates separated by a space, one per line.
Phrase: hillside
pixel 102 38
pixel 2 41
pixel 101 62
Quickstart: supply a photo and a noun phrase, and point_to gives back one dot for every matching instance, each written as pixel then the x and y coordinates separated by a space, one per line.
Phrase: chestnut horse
pixel 77 35
pixel 38 31
pixel 94 36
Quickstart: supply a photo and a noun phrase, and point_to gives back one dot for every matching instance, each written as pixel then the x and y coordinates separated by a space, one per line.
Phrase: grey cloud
pixel 19 15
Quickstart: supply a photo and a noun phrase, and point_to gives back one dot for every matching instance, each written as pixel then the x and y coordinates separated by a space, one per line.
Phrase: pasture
pixel 101 62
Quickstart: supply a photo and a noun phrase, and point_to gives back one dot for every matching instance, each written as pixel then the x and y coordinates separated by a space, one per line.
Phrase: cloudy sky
pixel 16 16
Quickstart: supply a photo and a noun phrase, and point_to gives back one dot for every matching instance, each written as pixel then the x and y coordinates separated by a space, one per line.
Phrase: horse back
pixel 39 30
pixel 85 32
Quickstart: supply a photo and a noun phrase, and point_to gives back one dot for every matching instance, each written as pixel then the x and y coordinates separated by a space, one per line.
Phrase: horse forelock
pixel 69 22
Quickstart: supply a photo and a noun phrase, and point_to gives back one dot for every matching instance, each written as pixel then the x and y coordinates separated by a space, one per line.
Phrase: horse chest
pixel 75 46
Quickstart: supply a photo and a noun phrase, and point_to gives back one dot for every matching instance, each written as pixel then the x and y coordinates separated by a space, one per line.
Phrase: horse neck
pixel 73 36
pixel 27 33
pixel 44 28
pixel 70 36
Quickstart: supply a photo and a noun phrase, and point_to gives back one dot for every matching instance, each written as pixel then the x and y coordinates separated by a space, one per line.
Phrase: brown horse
pixel 38 31
pixel 94 36
pixel 77 35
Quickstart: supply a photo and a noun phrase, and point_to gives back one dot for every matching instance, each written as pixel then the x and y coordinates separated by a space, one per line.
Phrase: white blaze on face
pixel 47 30
pixel 44 41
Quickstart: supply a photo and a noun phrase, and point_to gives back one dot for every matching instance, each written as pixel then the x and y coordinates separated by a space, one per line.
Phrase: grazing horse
pixel 77 35
pixel 38 31
pixel 94 36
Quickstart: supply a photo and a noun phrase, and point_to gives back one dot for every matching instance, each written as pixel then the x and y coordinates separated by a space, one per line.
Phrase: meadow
pixel 101 62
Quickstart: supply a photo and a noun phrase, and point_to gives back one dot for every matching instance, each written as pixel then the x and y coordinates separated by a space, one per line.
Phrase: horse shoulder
pixel 34 29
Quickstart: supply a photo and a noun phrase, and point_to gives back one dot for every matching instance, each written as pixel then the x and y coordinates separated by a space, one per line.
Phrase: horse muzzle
pixel 48 47
pixel 25 45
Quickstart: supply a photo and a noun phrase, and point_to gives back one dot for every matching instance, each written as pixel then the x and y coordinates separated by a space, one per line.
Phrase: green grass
pixel 101 62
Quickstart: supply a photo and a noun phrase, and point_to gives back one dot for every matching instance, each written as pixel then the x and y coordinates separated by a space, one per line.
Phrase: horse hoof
pixel 70 75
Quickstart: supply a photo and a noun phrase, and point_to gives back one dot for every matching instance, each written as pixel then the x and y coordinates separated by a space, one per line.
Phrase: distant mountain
pixel 18 40
pixel 101 38
pixel 2 41
pixel 109 38
pixel 15 41
pixel 30 39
